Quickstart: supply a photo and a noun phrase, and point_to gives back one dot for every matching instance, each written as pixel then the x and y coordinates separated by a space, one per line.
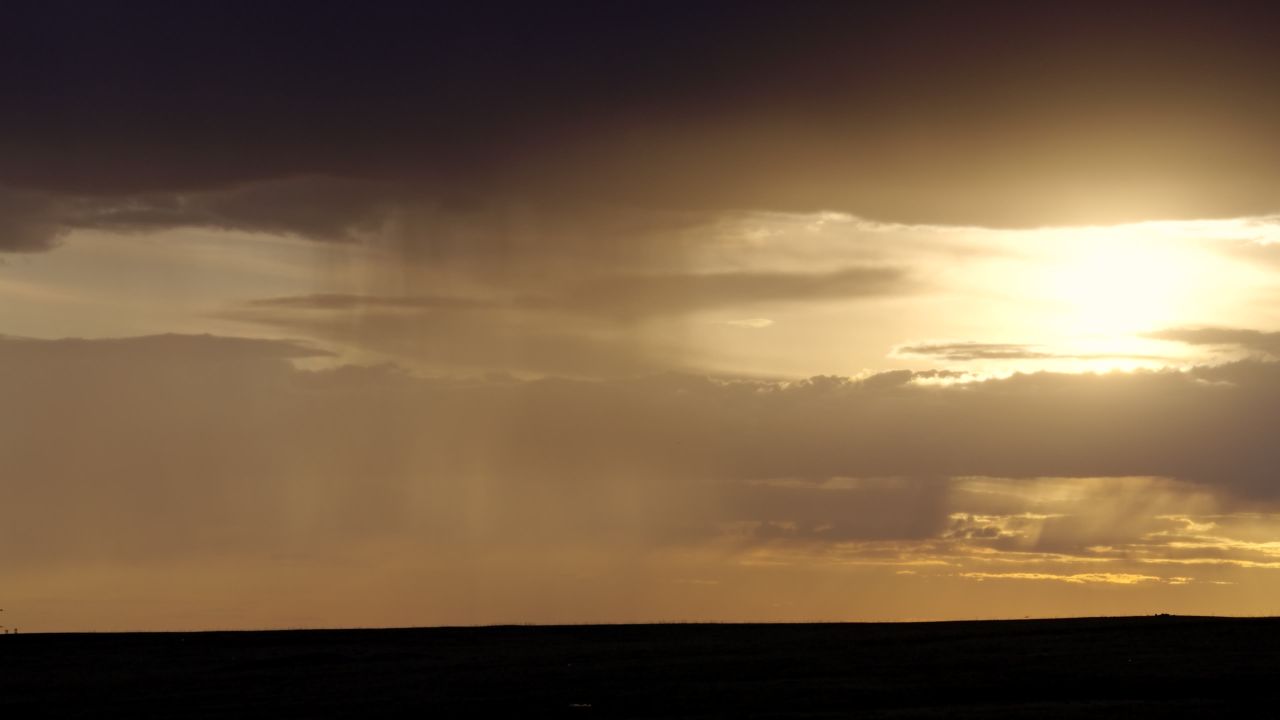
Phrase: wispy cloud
pixel 1267 343
pixel 1075 579
pixel 751 323
pixel 970 351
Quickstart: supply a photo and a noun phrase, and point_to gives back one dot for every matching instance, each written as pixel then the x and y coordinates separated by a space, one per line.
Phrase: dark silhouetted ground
pixel 1117 667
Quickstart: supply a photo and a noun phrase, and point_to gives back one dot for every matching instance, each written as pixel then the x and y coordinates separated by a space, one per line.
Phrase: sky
pixel 336 314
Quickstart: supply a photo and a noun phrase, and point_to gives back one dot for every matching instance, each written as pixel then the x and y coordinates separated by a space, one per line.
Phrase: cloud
pixel 970 351
pixel 1267 343
pixel 174 347
pixel 896 114
pixel 179 415
pixel 590 326
pixel 1076 578
pixel 461 334
pixel 346 301
pixel 844 509
pixel 324 208
pixel 974 351
pixel 163 454
pixel 29 222
pixel 631 296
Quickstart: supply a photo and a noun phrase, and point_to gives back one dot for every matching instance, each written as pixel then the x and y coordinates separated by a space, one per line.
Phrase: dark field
pixel 1121 667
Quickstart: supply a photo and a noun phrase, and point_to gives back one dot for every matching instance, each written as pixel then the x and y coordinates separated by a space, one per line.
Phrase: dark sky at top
pixel 990 113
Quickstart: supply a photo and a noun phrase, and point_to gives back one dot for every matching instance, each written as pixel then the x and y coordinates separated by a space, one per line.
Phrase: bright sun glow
pixel 1091 295
pixel 1109 285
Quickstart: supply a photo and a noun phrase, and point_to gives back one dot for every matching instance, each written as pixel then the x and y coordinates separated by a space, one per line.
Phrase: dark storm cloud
pixel 995 113
pixel 1267 343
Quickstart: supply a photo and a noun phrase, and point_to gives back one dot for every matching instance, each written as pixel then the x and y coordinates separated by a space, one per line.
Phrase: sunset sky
pixel 375 314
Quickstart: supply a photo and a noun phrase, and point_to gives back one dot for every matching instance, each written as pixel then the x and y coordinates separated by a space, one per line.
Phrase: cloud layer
pixel 1002 114
pixel 188 449
pixel 1266 344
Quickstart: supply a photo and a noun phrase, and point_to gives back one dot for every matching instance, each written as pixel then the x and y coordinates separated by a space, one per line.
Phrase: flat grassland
pixel 1103 667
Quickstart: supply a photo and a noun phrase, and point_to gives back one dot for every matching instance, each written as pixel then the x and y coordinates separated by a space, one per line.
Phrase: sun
pixel 1109 284
pixel 1087 298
